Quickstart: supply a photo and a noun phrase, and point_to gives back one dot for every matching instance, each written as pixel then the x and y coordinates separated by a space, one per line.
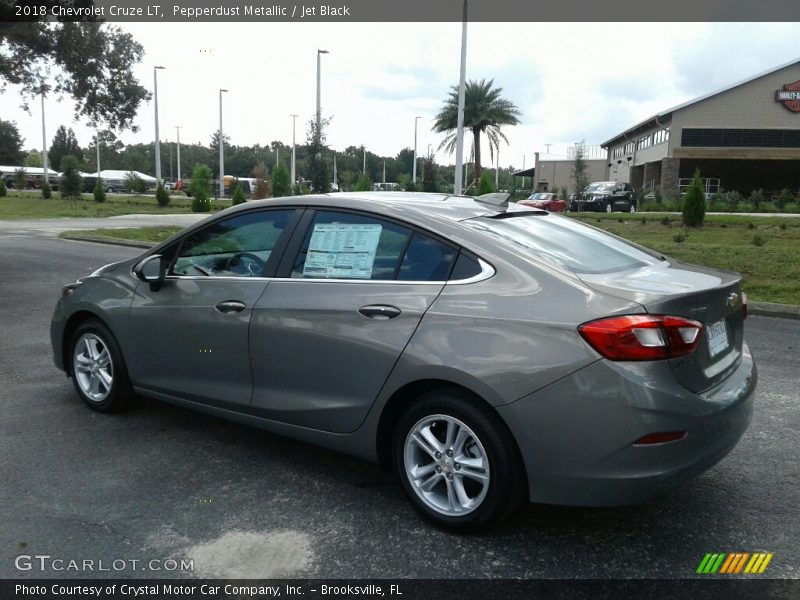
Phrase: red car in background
pixel 545 200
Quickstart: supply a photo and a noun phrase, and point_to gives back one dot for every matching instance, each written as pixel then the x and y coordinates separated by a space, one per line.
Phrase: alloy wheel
pixel 92 367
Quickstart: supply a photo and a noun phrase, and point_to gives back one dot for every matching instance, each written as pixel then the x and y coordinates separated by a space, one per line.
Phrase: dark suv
pixel 606 196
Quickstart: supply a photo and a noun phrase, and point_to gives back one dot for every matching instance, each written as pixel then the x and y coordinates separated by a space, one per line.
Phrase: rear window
pixel 572 245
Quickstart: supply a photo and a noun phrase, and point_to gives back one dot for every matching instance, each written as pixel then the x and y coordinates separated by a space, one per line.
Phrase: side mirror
pixel 152 270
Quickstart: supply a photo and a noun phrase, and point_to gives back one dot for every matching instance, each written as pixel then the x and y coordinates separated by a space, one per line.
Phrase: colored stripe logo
pixel 734 562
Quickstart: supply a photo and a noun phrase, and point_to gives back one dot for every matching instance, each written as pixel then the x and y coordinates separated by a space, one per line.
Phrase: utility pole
pixel 178 131
pixel 97 143
pixel 155 104
pixel 294 174
pixel 414 170
pixel 221 150
pixel 460 118
pixel 44 147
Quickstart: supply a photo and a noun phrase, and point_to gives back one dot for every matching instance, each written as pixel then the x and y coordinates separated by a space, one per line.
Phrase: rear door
pixel 328 330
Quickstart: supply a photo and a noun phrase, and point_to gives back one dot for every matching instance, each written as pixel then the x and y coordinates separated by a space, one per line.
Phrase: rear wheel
pixel 632 208
pixel 98 371
pixel 457 462
pixel 609 207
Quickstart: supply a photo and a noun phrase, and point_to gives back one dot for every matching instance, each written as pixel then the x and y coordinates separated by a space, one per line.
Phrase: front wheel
pixel 632 208
pixel 457 462
pixel 98 371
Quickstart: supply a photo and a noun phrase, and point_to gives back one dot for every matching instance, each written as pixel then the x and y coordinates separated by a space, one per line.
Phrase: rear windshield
pixel 600 187
pixel 572 245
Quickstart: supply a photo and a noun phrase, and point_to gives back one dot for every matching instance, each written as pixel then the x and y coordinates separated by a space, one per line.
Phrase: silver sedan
pixel 491 353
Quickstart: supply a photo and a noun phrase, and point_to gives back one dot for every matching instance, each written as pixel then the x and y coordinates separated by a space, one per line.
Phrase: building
pixel 553 172
pixel 743 137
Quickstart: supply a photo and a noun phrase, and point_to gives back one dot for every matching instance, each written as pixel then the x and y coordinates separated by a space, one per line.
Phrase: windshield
pixel 600 187
pixel 572 245
pixel 539 196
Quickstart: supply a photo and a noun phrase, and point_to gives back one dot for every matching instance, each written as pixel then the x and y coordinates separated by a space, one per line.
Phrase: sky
pixel 571 81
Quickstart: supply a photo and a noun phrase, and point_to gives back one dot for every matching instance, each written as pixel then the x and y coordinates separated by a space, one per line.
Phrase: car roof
pixel 412 205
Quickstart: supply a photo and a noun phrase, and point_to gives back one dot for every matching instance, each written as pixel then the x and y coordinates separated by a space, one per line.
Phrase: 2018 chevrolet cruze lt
pixel 492 353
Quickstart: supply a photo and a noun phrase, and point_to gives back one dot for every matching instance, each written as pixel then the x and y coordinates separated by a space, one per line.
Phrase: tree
pixel 162 195
pixel 486 185
pixel 134 183
pixel 281 181
pixel 10 141
pixel 201 188
pixel 318 171
pixel 99 193
pixel 262 189
pixel 363 184
pixel 64 144
pixel 20 179
pixel 580 167
pixel 47 191
pixel 430 174
pixel 33 158
pixel 70 184
pixel 3 189
pixel 238 196
pixel 485 111
pixel 90 61
pixel 694 203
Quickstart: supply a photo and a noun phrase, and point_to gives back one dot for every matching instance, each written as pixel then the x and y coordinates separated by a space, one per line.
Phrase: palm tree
pixel 484 112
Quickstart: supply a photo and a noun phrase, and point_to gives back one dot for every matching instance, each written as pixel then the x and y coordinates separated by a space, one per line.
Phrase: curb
pixel 771 309
pixel 108 240
pixel 764 309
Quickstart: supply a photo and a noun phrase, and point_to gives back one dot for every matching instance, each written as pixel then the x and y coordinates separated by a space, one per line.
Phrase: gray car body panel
pixel 511 339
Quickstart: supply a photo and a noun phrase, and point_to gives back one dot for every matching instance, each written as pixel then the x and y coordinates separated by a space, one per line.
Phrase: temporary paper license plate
pixel 717 336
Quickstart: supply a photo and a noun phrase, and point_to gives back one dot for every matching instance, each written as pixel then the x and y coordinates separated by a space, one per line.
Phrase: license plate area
pixel 717 336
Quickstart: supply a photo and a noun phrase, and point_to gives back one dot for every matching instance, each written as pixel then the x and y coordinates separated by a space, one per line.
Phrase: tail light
pixel 642 337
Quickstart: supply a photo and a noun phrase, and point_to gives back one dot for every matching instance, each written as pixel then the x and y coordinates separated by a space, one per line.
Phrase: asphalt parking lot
pixel 165 483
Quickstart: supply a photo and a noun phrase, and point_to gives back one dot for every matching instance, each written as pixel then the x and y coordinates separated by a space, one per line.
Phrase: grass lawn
pixel 30 205
pixel 139 234
pixel 771 270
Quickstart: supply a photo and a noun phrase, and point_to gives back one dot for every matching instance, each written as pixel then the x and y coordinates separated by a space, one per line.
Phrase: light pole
pixel 523 168
pixel 44 147
pixel 364 168
pixel 414 170
pixel 497 171
pixel 319 108
pixel 97 143
pixel 460 119
pixel 221 149
pixel 294 174
pixel 155 104
pixel 180 179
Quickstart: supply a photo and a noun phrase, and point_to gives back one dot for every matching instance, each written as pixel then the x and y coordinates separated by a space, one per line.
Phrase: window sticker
pixel 342 250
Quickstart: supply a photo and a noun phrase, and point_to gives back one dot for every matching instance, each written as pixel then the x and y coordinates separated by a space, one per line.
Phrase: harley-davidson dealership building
pixel 744 137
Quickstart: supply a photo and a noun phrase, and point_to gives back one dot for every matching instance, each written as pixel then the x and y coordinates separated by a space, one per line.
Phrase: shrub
pixel 694 203
pixel 20 179
pixel 363 184
pixel 281 181
pixel 732 199
pixel 70 184
pixel 3 190
pixel 759 240
pixel 162 195
pixel 794 207
pixel 665 221
pixel 238 196
pixel 485 185
pixel 201 188
pixel 679 237
pixel 47 191
pixel 768 207
pixel 784 198
pixel 134 183
pixel 407 184
pixel 756 199
pixel 99 193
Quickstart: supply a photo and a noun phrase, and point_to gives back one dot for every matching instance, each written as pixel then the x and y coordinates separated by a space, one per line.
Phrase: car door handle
pixel 230 306
pixel 380 312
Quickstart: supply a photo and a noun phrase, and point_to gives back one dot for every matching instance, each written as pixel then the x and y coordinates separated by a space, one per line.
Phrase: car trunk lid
pixel 714 298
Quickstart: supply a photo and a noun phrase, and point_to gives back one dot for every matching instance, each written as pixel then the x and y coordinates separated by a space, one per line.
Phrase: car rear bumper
pixel 577 435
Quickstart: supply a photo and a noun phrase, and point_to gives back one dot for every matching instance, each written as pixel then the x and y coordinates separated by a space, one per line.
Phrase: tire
pixel 109 189
pixel 609 207
pixel 97 369
pixel 632 208
pixel 492 486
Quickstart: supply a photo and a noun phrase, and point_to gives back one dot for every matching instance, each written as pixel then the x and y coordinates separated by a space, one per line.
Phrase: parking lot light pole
pixel 460 119
pixel 319 107
pixel 294 173
pixel 178 134
pixel 44 148
pixel 221 149
pixel 497 171
pixel 414 169
pixel 97 143
pixel 155 104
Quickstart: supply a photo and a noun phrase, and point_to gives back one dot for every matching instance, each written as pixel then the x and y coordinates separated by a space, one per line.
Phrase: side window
pixel 466 266
pixel 426 260
pixel 350 246
pixel 236 247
